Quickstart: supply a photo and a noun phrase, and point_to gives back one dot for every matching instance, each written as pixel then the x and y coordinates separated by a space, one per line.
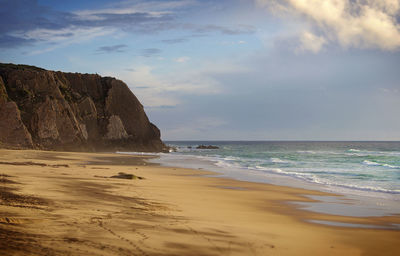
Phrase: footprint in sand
pixel 10 220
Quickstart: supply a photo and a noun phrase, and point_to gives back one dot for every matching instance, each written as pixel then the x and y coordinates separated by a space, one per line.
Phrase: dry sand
pixel 57 203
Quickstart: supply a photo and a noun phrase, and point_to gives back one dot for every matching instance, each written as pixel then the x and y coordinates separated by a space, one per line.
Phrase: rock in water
pixel 207 147
pixel 70 111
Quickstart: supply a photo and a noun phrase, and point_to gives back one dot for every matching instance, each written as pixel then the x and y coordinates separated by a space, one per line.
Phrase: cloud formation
pixel 26 22
pixel 160 90
pixel 237 30
pixel 351 23
pixel 311 42
pixel 112 48
pixel 9 41
pixel 174 41
pixel 149 52
pixel 182 59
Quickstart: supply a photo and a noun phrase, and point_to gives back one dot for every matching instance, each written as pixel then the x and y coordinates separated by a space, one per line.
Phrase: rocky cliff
pixel 70 111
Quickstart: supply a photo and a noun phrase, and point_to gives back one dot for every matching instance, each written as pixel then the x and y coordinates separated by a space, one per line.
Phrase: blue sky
pixel 228 70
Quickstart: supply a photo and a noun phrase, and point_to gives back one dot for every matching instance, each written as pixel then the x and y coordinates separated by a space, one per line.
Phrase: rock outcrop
pixel 207 147
pixel 70 111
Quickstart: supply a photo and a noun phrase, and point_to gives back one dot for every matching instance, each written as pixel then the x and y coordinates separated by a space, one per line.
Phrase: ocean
pixel 368 172
pixel 366 166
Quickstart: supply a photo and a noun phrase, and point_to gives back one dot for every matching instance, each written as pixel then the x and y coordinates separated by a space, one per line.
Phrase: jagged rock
pixel 12 130
pixel 84 131
pixel 3 92
pixel 72 111
pixel 207 147
pixel 44 122
pixel 87 109
pixel 116 129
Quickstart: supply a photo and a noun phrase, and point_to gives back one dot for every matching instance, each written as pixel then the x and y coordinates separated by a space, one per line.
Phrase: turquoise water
pixel 359 166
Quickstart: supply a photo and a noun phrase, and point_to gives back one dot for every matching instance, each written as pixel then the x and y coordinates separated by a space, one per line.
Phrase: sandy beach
pixel 59 203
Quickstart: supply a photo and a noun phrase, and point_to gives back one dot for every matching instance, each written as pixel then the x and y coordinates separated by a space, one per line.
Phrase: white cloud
pixel 233 42
pixel 310 42
pixel 127 16
pixel 167 88
pixel 351 23
pixel 96 15
pixel 63 37
pixel 71 33
pixel 146 6
pixel 153 8
pixel 156 90
pixel 182 59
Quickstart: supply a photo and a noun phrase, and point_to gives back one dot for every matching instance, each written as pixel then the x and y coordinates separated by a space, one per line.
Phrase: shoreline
pixel 70 204
pixel 357 168
pixel 364 203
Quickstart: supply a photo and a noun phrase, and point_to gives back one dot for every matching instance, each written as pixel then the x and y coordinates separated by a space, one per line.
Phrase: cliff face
pixel 70 111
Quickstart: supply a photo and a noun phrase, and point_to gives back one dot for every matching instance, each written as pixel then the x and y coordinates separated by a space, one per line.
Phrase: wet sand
pixel 58 203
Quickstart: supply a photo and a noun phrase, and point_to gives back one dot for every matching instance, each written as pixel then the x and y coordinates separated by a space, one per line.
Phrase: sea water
pixel 366 172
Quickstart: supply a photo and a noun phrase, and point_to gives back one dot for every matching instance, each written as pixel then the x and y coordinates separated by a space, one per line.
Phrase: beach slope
pixel 59 203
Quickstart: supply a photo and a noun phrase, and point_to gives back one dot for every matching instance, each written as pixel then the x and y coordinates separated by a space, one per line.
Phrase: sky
pixel 228 69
